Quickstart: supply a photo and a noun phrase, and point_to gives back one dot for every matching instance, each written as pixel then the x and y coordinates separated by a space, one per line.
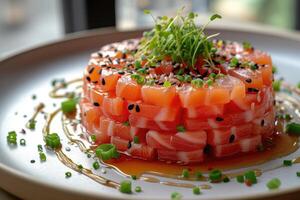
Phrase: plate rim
pixel 14 173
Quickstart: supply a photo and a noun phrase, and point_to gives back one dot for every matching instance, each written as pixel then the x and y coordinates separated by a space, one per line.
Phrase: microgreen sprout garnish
pixel 167 84
pixel 68 106
pixel 180 128
pixel 138 189
pixel 293 128
pixel 176 196
pixel 12 137
pixel 68 174
pixel 125 187
pixel 136 139
pixel 43 157
pixel 138 78
pixel 274 184
pixel 96 165
pixel 247 45
pixel 53 140
pixel 185 173
pixel 107 151
pixel 277 85
pixel 178 38
pixel 234 62
pixel 196 190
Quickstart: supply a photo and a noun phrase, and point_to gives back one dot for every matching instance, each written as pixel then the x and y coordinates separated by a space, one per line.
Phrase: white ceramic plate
pixel 31 72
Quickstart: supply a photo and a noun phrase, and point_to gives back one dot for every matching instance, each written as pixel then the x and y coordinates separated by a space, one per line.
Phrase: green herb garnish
pixel 287 163
pixel 167 84
pixel 180 128
pixel 240 178
pixel 93 138
pixel 136 139
pixel 247 45
pixel 196 190
pixel 197 83
pixel 138 189
pixel 215 175
pixel 43 157
pixel 96 165
pixel 107 151
pixel 178 38
pixel 125 187
pixel 23 142
pixel 176 196
pixel 274 183
pixel 293 128
pixel 126 123
pixel 250 176
pixel 277 85
pixel 68 174
pixel 185 173
pixel 31 124
pixel 234 62
pixel 53 140
pixel 12 137
pixel 68 106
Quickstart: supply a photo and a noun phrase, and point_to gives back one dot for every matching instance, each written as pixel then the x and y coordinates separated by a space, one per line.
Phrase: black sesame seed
pixel 130 106
pixel 262 123
pixel 88 79
pixel 219 119
pixel 100 54
pixel 137 108
pixel 96 104
pixel 129 145
pixel 32 161
pixel 91 70
pixel 207 149
pixel 103 81
pixel 248 80
pixel 231 138
pixel 121 72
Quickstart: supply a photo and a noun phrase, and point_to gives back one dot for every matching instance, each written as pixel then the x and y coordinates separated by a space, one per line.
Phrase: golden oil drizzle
pixel 54 93
pixel 37 110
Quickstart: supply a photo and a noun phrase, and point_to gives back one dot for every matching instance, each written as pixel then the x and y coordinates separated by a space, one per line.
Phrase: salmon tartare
pixel 179 95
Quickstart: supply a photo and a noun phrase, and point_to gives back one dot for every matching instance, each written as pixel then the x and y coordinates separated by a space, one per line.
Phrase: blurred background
pixel 25 23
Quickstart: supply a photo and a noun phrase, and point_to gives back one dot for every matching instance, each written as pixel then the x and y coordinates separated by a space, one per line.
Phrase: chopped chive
pixel 180 128
pixel 125 187
pixel 40 148
pixel 32 124
pixel 93 138
pixel 96 165
pixel 298 173
pixel 277 85
pixel 23 142
pixel 176 196
pixel 185 173
pixel 198 175
pixel 196 190
pixel 167 84
pixel 133 177
pixel 215 175
pixel 68 106
pixel 273 183
pixel 287 162
pixel 137 64
pixel 136 139
pixel 68 174
pixel 107 151
pixel 53 140
pixel 12 137
pixel 293 128
pixel 240 178
pixel 250 176
pixel 43 157
pixel 138 189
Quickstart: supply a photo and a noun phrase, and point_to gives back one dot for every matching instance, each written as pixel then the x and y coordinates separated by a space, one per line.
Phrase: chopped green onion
pixel 198 175
pixel 138 78
pixel 180 71
pixel 96 165
pixel 273 183
pixel 247 45
pixel 234 62
pixel 298 173
pixel 287 162
pixel 212 76
pixel 12 137
pixel 215 175
pixel 277 85
pixel 126 123
pixel 180 128
pixel 197 83
pixel 185 173
pixel 176 196
pixel 137 64
pixel 68 174
pixel 250 176
pixel 142 71
pixel 133 177
pixel 196 190
pixel 293 128
pixel 167 84
pixel 68 106
pixel 125 187
pixel 53 140
pixel 136 139
pixel 226 179
pixel 138 189
pixel 180 78
pixel 240 178
pixel 93 138
pixel 23 142
pixel 40 148
pixel 43 157
pixel 107 151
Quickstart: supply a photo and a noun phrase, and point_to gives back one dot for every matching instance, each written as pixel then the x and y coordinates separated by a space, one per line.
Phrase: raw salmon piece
pixel 159 95
pixel 184 157
pixel 128 89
